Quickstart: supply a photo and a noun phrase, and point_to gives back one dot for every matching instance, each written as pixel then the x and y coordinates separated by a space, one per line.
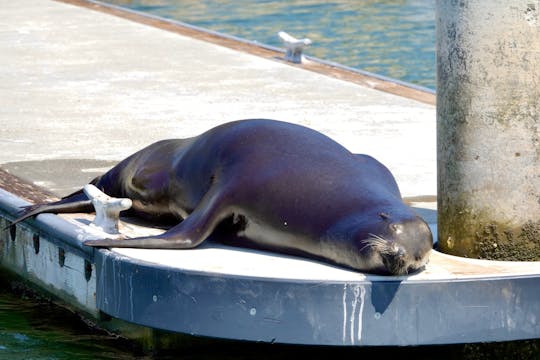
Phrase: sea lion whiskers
pixel 376 242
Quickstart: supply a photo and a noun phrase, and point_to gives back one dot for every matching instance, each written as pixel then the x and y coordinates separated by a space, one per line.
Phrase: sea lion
pixel 269 185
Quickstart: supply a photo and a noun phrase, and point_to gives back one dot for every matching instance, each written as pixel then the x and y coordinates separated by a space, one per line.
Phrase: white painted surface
pixel 233 261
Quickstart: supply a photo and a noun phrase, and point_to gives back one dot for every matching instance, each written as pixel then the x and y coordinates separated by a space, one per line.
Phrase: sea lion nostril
pixel 395 263
pixel 384 216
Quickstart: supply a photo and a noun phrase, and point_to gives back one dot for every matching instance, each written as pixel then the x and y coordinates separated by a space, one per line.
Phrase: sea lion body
pixel 269 185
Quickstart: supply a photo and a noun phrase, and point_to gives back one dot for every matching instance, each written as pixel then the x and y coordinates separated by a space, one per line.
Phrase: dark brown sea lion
pixel 269 185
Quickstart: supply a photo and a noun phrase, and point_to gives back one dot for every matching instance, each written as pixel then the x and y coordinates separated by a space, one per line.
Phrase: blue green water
pixel 394 38
pixel 37 329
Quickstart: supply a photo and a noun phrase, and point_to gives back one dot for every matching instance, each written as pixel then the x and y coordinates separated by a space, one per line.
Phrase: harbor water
pixel 391 38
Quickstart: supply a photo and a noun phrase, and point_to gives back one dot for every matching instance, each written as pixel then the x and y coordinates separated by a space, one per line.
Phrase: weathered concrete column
pixel 488 128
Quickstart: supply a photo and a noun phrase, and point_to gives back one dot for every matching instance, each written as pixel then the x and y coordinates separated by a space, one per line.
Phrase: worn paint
pixel 65 279
pixel 352 321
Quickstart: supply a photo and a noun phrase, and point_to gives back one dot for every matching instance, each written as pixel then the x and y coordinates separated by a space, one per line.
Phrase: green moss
pixel 472 234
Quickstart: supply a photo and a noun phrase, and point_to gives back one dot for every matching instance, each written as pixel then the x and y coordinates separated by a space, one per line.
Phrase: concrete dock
pixel 82 86
pixel 81 89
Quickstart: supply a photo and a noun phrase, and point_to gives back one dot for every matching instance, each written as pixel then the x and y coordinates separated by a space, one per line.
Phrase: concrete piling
pixel 488 128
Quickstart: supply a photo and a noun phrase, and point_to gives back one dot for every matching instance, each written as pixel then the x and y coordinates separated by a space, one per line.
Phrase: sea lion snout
pixel 394 259
pixel 408 244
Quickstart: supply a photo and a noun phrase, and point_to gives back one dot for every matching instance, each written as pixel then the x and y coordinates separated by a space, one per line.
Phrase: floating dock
pixel 225 292
pixel 85 85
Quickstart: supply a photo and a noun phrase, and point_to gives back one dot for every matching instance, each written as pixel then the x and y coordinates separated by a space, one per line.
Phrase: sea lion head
pixel 390 242
pixel 401 243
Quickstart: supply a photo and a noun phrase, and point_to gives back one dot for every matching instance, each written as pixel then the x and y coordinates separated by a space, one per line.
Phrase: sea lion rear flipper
pixel 76 202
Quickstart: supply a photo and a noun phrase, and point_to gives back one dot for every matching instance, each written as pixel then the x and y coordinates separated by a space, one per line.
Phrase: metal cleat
pixel 107 209
pixel 294 47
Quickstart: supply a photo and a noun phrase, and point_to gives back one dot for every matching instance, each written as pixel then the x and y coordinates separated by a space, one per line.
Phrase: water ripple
pixel 394 38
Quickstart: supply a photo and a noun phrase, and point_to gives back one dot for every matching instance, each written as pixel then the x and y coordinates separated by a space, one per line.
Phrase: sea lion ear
pixel 384 216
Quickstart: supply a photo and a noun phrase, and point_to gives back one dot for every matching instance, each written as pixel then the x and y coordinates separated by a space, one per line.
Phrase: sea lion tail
pixel 76 202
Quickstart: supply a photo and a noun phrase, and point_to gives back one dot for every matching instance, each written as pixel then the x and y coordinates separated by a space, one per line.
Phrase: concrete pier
pixel 488 116
pixel 81 89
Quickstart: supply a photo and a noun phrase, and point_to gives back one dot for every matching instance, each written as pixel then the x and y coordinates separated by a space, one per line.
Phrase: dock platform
pixel 82 87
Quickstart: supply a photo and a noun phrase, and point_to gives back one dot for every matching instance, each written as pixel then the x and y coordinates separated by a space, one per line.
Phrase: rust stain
pixel 24 189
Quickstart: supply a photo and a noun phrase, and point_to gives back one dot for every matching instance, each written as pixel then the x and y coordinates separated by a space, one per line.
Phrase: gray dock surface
pixel 81 89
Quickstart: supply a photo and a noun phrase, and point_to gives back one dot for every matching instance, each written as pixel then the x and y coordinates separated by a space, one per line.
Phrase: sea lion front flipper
pixel 185 235
pixel 188 234
pixel 147 242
